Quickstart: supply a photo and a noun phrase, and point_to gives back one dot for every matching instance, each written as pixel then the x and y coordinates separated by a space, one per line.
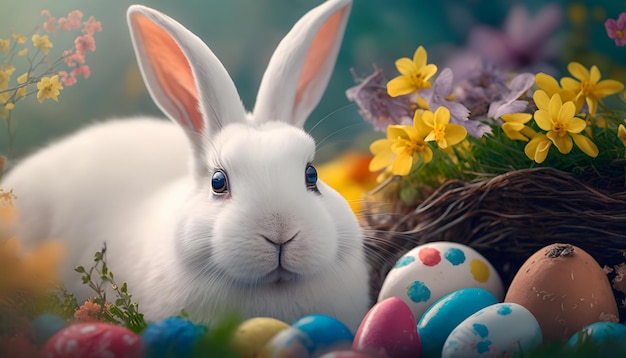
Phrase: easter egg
pixel 500 330
pixel 606 336
pixel 288 343
pixel 325 333
pixel 565 289
pixel 94 340
pixel 45 326
pixel 253 334
pixel 173 336
pixel 389 328
pixel 428 272
pixel 348 354
pixel 447 313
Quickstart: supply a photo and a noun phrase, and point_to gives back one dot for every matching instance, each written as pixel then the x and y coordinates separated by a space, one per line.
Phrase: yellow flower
pixel 515 127
pixel 400 148
pixel 20 92
pixel 49 87
pixel 551 87
pixel 9 106
pixel 557 118
pixel 349 176
pixel 588 86
pixel 22 78
pixel 442 131
pixel 19 38
pixel 621 133
pixel 26 273
pixel 537 148
pixel 5 45
pixel 22 52
pixel 414 74
pixel 42 42
pixel 5 75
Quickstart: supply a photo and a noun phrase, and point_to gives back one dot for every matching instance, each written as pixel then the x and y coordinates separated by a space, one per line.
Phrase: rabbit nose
pixel 279 243
pixel 279 240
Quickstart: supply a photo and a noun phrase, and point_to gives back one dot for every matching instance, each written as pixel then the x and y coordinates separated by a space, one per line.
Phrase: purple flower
pixel 376 106
pixel 439 95
pixel 510 102
pixel 523 42
pixel 484 84
pixel 617 29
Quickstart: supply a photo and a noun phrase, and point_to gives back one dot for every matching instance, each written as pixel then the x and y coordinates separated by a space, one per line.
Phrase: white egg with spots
pixel 500 330
pixel 430 271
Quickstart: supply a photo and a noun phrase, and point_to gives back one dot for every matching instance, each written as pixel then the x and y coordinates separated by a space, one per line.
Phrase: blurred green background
pixel 243 34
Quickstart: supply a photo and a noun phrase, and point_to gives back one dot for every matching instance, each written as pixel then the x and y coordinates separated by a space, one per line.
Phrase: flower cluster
pixel 560 112
pixel 478 124
pixel 41 70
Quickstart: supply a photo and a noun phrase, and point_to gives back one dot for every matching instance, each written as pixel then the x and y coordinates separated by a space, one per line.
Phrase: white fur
pixel 143 186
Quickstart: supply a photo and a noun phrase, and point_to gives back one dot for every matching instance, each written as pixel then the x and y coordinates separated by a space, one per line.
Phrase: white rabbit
pixel 226 214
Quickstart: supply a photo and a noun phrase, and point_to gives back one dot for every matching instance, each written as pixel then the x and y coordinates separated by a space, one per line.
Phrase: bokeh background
pixel 243 34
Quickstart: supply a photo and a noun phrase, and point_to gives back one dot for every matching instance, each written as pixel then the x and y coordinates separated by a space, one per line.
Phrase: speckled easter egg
pixel 431 271
pixel 500 330
pixel 171 337
pixel 94 340
pixel 389 328
pixel 610 336
pixel 565 289
pixel 288 343
pixel 325 333
pixel 447 313
pixel 253 334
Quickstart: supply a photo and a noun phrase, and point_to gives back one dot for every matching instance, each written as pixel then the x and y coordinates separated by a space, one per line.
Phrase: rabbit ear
pixel 185 79
pixel 299 70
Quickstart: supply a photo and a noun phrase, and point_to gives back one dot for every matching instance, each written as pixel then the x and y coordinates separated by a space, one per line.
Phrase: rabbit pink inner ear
pixel 172 72
pixel 320 48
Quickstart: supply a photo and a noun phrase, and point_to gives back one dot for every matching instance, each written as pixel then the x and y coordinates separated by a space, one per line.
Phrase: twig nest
pixel 565 289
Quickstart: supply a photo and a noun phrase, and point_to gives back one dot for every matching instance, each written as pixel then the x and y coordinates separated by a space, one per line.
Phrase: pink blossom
pixel 48 26
pixel 45 13
pixel 81 71
pixel 84 43
pixel 72 21
pixel 64 24
pixel 68 80
pixel 617 29
pixel 91 26
pixel 73 59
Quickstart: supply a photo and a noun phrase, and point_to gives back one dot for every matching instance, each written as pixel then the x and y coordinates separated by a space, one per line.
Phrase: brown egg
pixel 565 289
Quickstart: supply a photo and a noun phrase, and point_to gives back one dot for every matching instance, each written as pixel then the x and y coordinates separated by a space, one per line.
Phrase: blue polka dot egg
pixel 431 271
pixel 500 330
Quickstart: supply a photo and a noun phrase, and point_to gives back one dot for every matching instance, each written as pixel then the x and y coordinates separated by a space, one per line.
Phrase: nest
pixel 508 218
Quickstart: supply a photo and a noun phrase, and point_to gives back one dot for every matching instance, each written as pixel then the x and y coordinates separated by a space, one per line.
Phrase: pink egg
pixel 389 329
pixel 95 340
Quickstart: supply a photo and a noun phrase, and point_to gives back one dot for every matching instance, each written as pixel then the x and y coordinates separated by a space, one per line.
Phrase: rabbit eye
pixel 310 175
pixel 219 182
